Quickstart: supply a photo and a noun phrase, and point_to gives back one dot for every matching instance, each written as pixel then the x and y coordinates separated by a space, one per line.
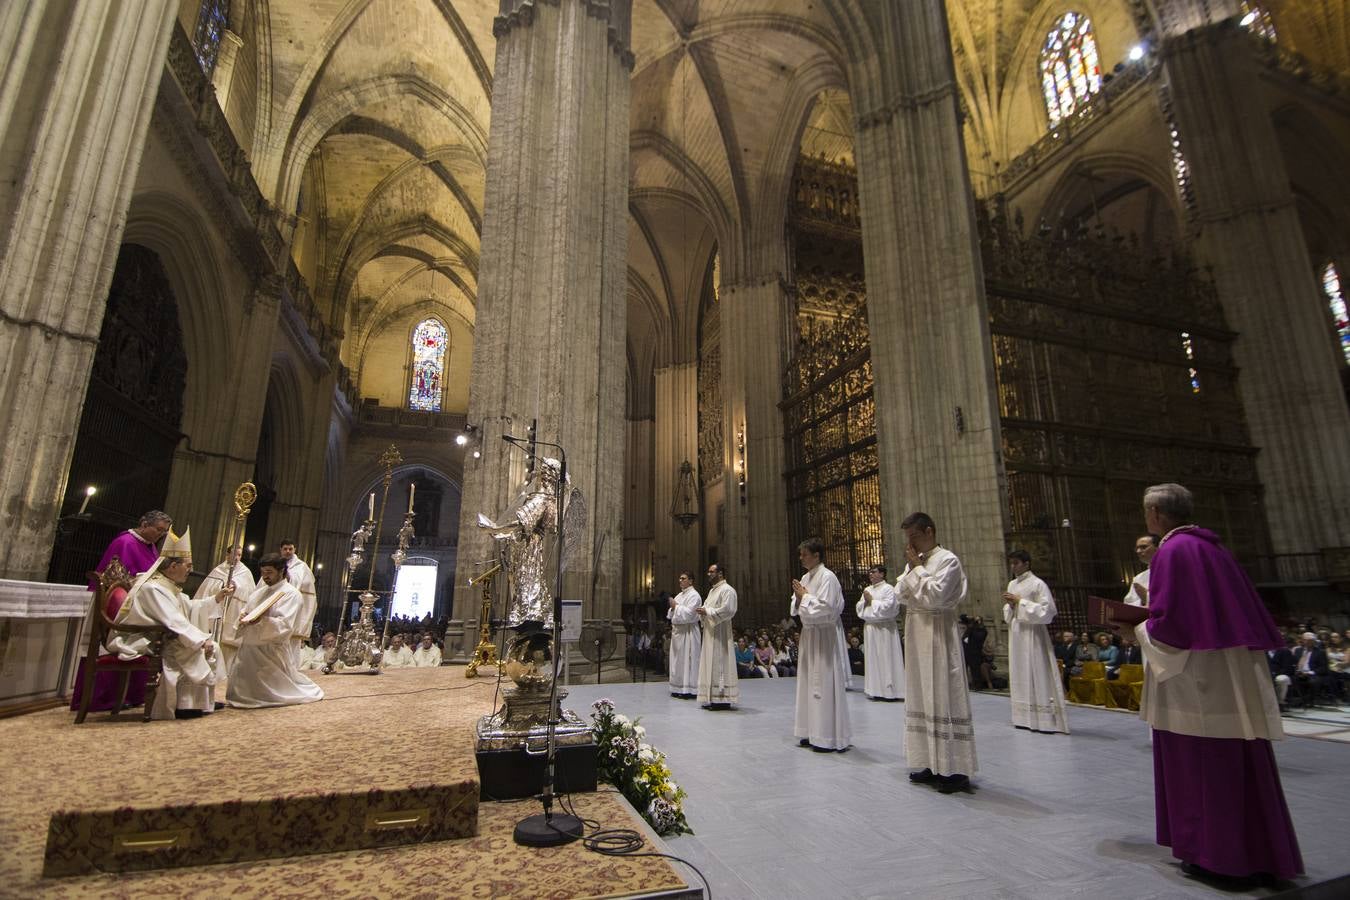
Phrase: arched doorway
pixel 132 412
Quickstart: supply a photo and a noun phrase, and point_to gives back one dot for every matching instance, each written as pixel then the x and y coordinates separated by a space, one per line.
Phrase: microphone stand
pixel 547 829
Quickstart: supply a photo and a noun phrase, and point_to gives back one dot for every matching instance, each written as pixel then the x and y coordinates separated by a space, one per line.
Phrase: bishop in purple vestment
pixel 137 549
pixel 1209 699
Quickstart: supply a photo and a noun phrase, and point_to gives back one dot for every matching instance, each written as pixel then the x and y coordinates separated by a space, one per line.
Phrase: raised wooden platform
pixel 382 761
pixel 272 794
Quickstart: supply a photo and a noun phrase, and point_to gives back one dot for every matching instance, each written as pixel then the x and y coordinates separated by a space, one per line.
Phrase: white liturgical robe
pixel 401 658
pixel 426 657
pixel 220 576
pixel 301 575
pixel 1134 598
pixel 685 642
pixel 884 675
pixel 939 733
pixel 822 711
pixel 265 672
pixel 1033 675
pixel 189 675
pixel 717 682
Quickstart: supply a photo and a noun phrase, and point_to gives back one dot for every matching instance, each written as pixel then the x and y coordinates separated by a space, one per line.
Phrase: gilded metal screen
pixel 1114 371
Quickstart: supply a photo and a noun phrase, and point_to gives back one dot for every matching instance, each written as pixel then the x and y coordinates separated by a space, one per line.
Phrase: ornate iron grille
pixel 1095 392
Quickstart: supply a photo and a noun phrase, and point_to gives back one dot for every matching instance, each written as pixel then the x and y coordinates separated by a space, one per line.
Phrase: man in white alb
pixel 939 733
pixel 301 575
pixel 427 655
pixel 265 671
pixel 685 640
pixel 234 576
pixel 718 686
pixel 191 666
pixel 396 655
pixel 315 659
pixel 1144 548
pixel 1033 675
pixel 821 718
pixel 884 677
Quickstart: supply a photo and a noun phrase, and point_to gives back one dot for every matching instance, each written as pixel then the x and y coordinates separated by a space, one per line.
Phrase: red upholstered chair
pixel 113 586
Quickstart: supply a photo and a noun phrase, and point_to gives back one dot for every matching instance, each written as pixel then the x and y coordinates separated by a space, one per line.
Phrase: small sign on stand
pixel 571 634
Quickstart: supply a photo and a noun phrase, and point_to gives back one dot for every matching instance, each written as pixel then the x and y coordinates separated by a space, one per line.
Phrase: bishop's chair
pixel 113 586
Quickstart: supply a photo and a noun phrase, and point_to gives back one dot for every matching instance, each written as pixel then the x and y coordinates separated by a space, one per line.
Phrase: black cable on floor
pixel 622 841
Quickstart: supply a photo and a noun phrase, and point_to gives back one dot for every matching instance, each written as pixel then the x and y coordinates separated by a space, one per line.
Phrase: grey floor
pixel 1051 815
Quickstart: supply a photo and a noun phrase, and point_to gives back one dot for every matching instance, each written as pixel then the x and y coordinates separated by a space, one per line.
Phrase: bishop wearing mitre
pixel 191 664
pixel 236 581
pixel 266 671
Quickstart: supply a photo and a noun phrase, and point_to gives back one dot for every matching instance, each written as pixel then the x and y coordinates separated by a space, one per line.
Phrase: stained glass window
pixel 1256 20
pixel 1188 348
pixel 212 19
pixel 428 366
pixel 1331 286
pixel 1070 70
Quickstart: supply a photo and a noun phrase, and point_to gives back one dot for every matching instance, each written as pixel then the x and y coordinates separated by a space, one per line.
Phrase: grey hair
pixel 1172 500
pixel 155 515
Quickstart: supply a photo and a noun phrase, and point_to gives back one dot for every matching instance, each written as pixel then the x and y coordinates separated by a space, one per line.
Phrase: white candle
pixel 88 492
pixel 371 516
pixel 412 489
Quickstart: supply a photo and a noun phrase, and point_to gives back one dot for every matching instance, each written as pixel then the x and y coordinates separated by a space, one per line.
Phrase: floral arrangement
pixel 637 769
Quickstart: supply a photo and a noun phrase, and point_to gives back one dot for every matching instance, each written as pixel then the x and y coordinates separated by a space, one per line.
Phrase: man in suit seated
pixel 1310 665
pixel 1282 670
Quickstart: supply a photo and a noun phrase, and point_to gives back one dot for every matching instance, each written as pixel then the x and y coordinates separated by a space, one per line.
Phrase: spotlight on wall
pixel 461 439
pixel 252 548
pixel 1136 53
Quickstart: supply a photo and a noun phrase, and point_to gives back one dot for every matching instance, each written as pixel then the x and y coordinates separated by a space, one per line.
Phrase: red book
pixel 1104 613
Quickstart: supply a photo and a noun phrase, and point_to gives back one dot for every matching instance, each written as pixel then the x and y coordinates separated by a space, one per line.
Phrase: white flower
pixel 646 754
pixel 639 731
pixel 622 721
pixel 671 790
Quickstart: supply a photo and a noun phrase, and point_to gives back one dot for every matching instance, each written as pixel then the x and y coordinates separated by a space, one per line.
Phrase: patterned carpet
pixel 394 734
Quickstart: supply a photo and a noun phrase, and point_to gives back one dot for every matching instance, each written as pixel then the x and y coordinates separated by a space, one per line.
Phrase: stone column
pixel 76 91
pixel 210 466
pixel 550 328
pixel 760 563
pixel 1249 231
pixel 936 415
pixel 676 547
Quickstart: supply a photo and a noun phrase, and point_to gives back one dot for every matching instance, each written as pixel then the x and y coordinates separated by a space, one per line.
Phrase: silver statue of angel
pixel 523 536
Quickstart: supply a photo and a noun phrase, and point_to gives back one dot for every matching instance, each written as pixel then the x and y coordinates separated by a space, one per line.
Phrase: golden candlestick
pixel 485 654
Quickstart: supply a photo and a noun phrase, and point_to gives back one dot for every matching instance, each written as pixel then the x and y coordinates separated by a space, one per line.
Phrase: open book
pixel 1104 613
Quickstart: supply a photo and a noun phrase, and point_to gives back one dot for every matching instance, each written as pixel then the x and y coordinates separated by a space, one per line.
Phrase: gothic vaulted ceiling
pixel 367 122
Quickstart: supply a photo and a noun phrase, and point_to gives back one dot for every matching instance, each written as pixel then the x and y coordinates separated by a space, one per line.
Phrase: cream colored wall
pixel 187 14
pixel 305 243
pixel 384 362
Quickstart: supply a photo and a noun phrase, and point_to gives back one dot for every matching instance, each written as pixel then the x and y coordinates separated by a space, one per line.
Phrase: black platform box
pixel 511 774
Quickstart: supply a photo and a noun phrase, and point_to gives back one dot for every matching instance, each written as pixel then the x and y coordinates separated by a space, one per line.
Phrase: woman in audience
pixel 1338 665
pixel 782 660
pixel 1108 654
pixel 745 659
pixel 764 658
